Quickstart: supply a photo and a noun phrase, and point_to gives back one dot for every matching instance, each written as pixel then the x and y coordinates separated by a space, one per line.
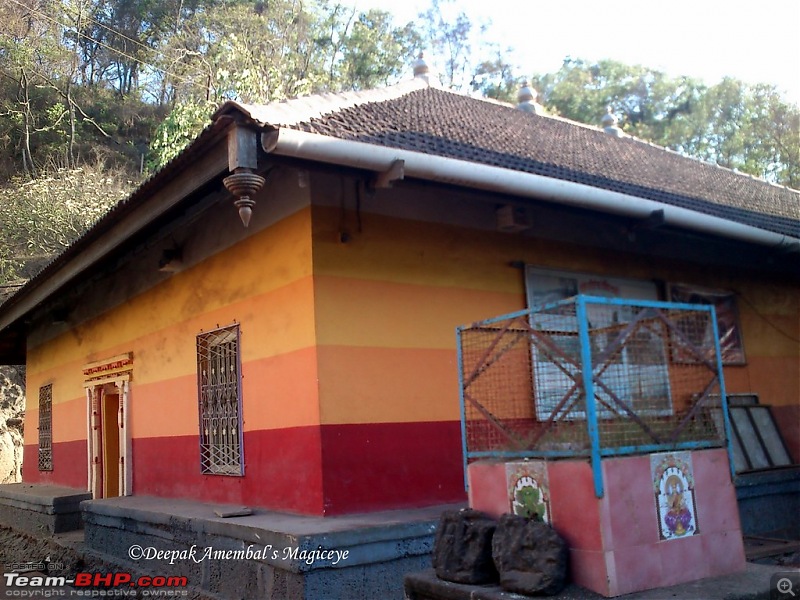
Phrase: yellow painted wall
pixel 389 299
pixel 264 282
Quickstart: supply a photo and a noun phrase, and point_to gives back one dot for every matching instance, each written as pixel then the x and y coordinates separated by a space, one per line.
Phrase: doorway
pixel 107 442
pixel 108 439
pixel 110 436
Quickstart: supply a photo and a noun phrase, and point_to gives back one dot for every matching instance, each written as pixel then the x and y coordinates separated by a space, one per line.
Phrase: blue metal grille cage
pixel 593 377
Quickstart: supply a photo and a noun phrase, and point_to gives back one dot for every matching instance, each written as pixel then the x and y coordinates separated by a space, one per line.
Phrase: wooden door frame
pixel 115 371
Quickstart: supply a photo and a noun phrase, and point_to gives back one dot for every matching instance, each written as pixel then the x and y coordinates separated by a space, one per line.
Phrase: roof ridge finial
pixel 421 68
pixel 609 123
pixel 526 98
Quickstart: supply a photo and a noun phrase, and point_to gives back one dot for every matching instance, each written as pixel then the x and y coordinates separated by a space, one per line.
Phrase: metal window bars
pixel 46 428
pixel 592 377
pixel 220 401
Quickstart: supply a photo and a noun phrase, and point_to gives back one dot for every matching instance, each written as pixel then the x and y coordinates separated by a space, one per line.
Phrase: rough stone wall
pixel 12 416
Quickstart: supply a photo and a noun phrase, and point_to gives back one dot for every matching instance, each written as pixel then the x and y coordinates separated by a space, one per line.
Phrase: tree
pixel 779 137
pixel 29 57
pixel 374 53
pixel 449 38
pixel 247 52
pixel 644 99
pixel 82 80
pixel 732 124
pixel 41 217
pixel 268 52
pixel 494 78
pixel 748 128
pixel 47 114
pixel 184 122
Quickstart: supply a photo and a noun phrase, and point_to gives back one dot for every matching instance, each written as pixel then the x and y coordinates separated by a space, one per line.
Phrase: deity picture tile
pixel 528 489
pixel 674 487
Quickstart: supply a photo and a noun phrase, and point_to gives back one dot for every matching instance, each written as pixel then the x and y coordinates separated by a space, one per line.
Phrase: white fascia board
pixel 360 155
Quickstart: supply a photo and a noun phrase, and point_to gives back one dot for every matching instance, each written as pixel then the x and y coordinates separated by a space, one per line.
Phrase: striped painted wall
pixel 264 283
pixel 387 303
pixel 348 347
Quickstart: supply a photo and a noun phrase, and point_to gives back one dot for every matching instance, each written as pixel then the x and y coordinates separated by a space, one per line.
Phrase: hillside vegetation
pixel 95 95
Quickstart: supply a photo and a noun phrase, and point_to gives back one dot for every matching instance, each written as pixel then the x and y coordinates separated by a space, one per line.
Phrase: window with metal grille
pixel 220 401
pixel 46 428
pixel 638 371
pixel 728 329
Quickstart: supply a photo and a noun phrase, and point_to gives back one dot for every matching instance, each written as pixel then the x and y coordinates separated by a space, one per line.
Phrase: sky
pixel 757 41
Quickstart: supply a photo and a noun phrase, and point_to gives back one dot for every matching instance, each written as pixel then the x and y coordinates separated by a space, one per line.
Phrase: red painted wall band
pixel 332 470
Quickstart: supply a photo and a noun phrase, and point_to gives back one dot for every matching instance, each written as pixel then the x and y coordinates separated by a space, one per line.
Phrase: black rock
pixel 530 556
pixel 462 551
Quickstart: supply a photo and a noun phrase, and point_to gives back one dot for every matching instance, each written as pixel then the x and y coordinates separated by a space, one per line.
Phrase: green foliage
pixel 53 110
pixel 258 54
pixel 102 82
pixel 744 127
pixel 374 53
pixel 40 217
pixel 733 124
pixel 272 51
pixel 450 35
pixel 495 79
pixel 82 79
pixel 182 125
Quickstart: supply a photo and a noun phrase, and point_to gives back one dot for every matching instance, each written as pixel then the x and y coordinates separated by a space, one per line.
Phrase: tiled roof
pixel 413 116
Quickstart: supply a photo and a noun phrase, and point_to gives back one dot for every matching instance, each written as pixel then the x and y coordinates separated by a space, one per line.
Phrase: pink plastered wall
pixel 615 546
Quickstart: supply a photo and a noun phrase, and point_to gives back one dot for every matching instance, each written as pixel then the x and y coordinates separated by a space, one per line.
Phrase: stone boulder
pixel 12 412
pixel 530 556
pixel 462 551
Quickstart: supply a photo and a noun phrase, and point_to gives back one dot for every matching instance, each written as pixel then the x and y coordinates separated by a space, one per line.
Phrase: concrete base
pixel 755 582
pixel 41 508
pixel 426 586
pixel 618 543
pixel 265 555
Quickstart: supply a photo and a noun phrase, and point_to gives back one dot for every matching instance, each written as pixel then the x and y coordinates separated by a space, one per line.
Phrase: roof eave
pixel 316 147
pixel 207 157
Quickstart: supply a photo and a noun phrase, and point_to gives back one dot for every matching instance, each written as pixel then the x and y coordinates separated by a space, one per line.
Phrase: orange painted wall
pixel 388 301
pixel 264 283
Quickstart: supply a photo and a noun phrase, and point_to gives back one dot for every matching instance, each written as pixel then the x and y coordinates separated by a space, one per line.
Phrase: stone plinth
pixel 41 508
pixel 267 555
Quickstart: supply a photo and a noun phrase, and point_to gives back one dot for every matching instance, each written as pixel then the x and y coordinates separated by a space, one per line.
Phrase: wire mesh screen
pixel 619 376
